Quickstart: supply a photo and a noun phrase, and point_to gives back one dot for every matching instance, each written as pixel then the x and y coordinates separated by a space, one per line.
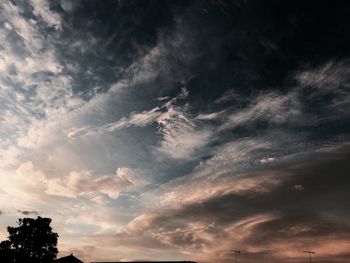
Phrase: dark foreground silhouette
pixel 73 259
pixel 68 259
pixel 32 241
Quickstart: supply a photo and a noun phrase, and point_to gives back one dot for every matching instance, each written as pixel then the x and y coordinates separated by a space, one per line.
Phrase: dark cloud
pixel 315 216
pixel 26 213
pixel 109 37
pixel 250 48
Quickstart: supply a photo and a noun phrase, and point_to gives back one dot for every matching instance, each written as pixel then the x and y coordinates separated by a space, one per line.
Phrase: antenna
pixel 236 252
pixel 309 252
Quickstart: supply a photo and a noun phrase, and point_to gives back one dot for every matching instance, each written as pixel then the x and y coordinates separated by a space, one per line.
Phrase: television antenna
pixel 236 252
pixel 310 253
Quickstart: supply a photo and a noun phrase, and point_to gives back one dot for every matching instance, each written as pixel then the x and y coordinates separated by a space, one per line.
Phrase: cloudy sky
pixel 175 130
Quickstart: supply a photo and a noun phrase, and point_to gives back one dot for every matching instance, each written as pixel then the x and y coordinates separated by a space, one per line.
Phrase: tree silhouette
pixel 6 253
pixel 32 241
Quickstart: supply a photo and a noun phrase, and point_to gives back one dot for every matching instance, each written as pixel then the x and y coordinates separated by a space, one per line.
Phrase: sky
pixel 176 130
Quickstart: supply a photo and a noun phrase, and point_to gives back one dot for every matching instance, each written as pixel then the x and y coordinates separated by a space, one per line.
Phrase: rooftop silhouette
pixel 68 259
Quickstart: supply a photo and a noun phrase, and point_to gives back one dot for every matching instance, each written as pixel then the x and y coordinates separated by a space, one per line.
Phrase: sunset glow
pixel 177 130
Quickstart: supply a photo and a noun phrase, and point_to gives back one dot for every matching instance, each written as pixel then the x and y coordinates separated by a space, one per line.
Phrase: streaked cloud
pixel 143 143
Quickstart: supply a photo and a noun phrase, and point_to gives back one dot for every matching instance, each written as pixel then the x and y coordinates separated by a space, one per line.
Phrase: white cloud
pixel 138 224
pixel 9 155
pixel 298 187
pixel 267 160
pixel 243 150
pixel 209 116
pixel 181 136
pixel 36 53
pixel 29 61
pixel 83 182
pixel 68 5
pixel 72 133
pixel 30 175
pixel 42 9
pixel 29 180
pixel 328 80
pixel 271 107
pixel 136 119
pixel 180 132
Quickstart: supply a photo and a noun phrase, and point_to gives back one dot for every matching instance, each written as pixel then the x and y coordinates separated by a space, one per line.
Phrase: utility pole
pixel 236 252
pixel 309 252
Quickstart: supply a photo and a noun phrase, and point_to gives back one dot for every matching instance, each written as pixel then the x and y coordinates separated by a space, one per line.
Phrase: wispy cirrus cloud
pixel 140 119
pixel 132 134
pixel 181 134
pixel 327 86
pixel 271 107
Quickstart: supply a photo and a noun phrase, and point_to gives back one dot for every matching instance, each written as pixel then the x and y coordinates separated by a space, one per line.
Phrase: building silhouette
pixel 68 259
